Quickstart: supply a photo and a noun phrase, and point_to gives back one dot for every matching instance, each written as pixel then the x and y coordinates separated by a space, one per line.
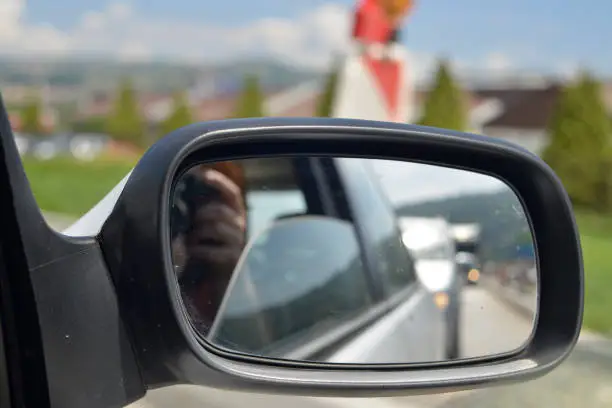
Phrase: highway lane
pixel 488 326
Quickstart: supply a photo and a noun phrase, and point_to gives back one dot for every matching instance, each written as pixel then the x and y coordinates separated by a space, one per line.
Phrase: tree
pixel 180 116
pixel 250 103
pixel 326 100
pixel 579 144
pixel 31 117
pixel 445 104
pixel 125 122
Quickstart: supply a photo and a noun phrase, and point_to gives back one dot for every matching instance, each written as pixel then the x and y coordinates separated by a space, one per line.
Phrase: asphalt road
pixel 489 326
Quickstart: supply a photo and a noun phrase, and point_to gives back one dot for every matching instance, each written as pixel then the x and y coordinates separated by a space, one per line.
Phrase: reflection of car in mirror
pixel 467 240
pixel 332 303
pixel 130 306
pixel 328 271
pixel 432 244
pixel 468 266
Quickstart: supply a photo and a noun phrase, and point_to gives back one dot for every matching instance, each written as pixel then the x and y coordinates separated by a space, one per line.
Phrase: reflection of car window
pixel 264 206
pixel 299 279
pixel 272 192
pixel 376 217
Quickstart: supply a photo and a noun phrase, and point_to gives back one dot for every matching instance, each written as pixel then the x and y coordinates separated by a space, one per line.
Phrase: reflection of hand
pixel 210 240
pixel 216 236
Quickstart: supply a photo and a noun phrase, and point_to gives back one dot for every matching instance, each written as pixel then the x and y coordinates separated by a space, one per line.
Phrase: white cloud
pixel 495 63
pixel 309 40
pixel 422 66
pixel 568 70
pixel 92 21
pixel 134 51
pixel 498 62
pixel 10 16
pixel 119 11
pixel 17 37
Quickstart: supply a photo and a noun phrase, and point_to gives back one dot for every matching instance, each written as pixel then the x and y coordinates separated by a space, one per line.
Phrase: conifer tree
pixel 180 115
pixel 31 117
pixel 125 122
pixel 579 143
pixel 445 104
pixel 251 101
pixel 326 99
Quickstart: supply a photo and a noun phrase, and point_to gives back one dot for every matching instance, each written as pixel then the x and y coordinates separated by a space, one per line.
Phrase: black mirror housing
pixel 135 243
pixel 107 306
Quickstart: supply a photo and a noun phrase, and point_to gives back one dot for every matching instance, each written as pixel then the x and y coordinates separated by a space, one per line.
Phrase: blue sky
pixel 543 34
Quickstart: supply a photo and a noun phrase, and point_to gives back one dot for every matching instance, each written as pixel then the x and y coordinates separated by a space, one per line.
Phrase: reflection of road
pixel 488 327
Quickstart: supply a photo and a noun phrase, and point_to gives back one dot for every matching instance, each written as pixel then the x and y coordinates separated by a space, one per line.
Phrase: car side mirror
pixel 155 309
pixel 120 289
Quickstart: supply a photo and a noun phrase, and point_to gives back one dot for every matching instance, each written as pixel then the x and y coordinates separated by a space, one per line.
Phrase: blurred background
pixel 91 84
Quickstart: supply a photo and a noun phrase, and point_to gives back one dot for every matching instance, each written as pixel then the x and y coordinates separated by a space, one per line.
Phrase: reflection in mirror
pixel 346 260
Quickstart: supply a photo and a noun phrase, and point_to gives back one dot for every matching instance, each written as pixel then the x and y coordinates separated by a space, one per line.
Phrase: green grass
pixel 596 239
pixel 66 186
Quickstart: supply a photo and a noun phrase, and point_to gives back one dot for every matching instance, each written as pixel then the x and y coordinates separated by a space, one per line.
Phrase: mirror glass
pixel 348 260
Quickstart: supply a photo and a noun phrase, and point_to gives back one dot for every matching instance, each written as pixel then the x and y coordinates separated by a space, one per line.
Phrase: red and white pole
pixel 374 82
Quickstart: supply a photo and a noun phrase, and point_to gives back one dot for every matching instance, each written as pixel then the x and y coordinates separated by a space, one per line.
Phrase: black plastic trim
pixel 135 241
pixel 67 344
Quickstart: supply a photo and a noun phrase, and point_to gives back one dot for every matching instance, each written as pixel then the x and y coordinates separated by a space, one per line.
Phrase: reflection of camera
pixel 190 193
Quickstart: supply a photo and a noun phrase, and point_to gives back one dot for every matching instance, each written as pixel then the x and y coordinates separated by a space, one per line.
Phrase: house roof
pixel 223 106
pixel 523 108
pixel 220 107
pixel 306 108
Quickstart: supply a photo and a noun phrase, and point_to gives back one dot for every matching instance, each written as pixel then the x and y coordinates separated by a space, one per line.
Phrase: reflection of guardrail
pixel 523 302
pixel 526 304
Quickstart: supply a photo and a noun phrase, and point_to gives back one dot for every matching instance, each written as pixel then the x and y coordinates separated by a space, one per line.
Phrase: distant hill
pixel 97 73
pixel 500 215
